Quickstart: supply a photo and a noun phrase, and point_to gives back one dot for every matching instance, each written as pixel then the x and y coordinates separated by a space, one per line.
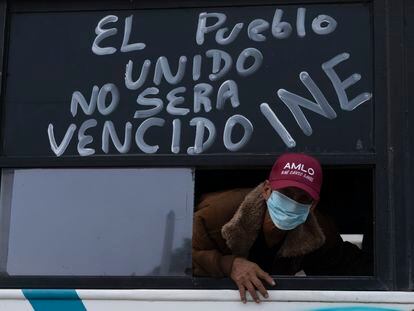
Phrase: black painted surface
pixel 407 246
pixel 50 57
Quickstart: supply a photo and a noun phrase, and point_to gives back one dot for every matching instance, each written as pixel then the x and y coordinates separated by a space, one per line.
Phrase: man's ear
pixel 313 206
pixel 267 190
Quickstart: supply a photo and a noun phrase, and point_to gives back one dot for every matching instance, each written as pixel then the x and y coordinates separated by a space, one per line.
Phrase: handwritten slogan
pixel 145 78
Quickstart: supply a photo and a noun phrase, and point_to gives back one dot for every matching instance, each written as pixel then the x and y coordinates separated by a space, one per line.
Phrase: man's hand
pixel 247 275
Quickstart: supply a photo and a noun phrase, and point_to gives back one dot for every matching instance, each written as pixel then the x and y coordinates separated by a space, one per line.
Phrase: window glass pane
pixel 119 222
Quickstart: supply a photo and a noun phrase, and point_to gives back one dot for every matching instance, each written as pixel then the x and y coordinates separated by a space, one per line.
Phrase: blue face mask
pixel 286 213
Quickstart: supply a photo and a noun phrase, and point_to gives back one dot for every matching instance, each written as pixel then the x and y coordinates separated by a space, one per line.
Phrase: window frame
pixel 388 159
pixel 408 141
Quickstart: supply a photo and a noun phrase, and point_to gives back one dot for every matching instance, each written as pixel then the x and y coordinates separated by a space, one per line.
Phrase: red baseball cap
pixel 297 170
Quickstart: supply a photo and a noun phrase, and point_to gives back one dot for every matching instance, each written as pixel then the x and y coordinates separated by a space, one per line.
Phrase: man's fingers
pixel 260 287
pixel 242 292
pixel 252 291
pixel 265 276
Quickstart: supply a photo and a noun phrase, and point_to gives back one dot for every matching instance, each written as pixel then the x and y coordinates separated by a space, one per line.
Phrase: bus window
pixel 96 222
pixel 345 210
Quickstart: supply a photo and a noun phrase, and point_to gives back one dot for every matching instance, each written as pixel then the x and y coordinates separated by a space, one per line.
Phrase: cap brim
pixel 279 184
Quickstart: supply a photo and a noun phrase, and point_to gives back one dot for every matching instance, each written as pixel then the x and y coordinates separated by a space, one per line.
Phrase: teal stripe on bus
pixel 53 300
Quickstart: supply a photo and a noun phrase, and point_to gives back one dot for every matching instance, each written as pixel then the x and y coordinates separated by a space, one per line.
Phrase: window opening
pixel 346 206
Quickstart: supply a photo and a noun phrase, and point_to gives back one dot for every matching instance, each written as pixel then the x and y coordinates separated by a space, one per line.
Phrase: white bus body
pixel 200 300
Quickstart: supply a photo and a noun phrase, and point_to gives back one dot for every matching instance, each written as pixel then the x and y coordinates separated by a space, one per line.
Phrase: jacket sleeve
pixel 207 259
pixel 336 257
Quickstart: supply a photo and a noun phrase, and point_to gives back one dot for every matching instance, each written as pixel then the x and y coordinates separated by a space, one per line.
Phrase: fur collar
pixel 242 230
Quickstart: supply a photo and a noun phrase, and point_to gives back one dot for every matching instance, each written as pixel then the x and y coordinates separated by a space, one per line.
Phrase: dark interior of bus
pixel 346 196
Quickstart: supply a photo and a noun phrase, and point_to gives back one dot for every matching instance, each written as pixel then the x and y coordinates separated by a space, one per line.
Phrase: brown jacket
pixel 227 224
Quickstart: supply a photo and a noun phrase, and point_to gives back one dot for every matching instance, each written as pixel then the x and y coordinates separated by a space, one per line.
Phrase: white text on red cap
pixel 299 167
